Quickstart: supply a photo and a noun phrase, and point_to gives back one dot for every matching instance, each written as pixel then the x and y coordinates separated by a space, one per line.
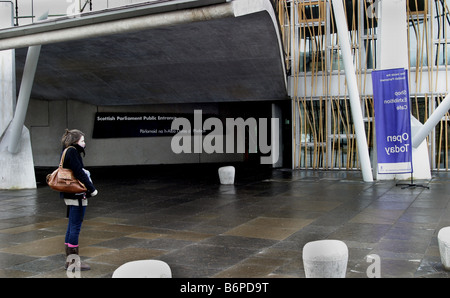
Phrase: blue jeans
pixel 76 215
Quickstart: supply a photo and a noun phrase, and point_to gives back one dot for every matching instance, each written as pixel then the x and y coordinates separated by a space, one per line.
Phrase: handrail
pixel 81 8
pixel 32 15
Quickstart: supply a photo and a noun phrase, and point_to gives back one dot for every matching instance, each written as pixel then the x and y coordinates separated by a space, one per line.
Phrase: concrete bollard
pixel 226 175
pixel 444 246
pixel 325 259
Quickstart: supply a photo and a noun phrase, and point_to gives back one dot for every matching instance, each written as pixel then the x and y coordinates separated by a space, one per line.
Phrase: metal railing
pixel 27 11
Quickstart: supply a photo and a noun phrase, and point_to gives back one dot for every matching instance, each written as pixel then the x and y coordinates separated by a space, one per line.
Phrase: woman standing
pixel 73 141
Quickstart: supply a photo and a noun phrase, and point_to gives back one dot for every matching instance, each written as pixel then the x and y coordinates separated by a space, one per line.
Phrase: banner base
pixel 412 184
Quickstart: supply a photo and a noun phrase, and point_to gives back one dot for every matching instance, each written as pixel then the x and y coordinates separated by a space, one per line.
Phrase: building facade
pixel 323 129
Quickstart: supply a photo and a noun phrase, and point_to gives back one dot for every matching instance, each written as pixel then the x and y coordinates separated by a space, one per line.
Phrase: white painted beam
pixel 352 85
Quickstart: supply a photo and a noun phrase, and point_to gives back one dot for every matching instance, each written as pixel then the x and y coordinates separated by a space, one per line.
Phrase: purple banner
pixel 392 121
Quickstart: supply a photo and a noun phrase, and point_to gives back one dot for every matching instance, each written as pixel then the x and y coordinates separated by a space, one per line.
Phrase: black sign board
pixel 132 125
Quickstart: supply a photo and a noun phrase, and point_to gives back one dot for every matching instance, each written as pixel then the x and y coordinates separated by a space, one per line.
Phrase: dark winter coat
pixel 73 161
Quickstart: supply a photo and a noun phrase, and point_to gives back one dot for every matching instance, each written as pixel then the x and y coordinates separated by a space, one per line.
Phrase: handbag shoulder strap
pixel 63 156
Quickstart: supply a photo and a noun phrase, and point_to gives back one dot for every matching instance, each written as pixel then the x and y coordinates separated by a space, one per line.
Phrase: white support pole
pixel 16 126
pixel 7 72
pixel 352 86
pixel 16 157
pixel 434 119
pixel 393 53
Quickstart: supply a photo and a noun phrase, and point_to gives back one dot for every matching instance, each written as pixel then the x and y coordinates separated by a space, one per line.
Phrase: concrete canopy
pixel 232 58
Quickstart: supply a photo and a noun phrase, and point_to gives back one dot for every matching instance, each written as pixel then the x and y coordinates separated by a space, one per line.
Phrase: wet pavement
pixel 254 228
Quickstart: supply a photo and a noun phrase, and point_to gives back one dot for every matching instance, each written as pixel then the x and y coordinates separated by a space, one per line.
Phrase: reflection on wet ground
pixel 254 228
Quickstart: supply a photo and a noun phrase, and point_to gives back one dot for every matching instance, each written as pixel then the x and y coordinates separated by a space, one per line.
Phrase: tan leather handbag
pixel 63 179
